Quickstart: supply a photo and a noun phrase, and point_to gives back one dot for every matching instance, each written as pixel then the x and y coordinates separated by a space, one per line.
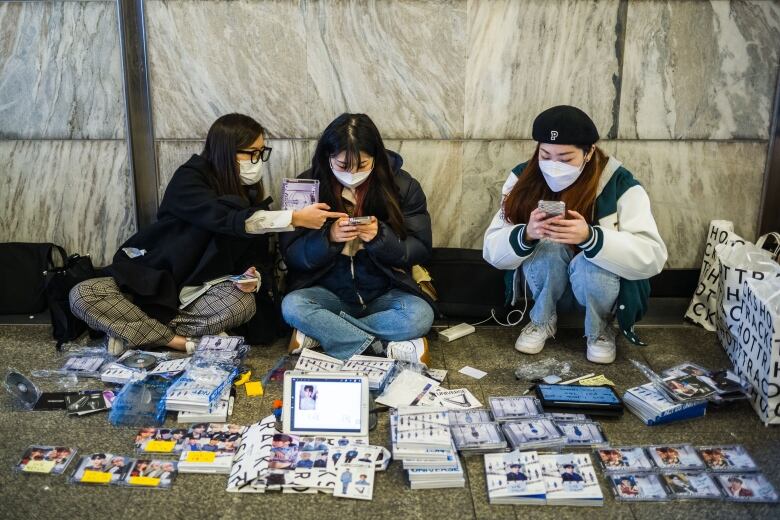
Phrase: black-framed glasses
pixel 258 155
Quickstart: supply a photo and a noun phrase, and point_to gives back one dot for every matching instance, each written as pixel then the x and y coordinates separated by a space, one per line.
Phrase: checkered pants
pixel 101 304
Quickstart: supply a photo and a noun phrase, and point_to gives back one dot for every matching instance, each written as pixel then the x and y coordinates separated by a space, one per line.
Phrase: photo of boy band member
pixel 118 468
pixel 627 487
pixel 737 488
pixel 569 476
pixel 669 456
pixel 307 399
pixel 515 474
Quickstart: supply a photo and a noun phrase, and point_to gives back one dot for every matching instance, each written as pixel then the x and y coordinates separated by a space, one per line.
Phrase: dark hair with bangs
pixel 378 196
pixel 226 136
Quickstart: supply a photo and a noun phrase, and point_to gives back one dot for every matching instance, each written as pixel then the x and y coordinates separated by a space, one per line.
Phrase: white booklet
pixel 408 389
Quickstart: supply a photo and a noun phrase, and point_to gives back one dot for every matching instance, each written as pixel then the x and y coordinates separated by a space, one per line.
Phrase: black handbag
pixel 58 282
pixel 21 265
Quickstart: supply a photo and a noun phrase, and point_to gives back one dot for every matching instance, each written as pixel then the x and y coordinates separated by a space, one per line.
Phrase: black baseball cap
pixel 564 124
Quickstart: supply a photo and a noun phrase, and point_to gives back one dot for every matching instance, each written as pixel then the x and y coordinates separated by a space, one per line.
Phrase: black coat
pixel 310 255
pixel 198 236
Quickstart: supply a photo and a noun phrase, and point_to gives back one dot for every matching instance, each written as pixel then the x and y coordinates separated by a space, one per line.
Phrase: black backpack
pixel 59 281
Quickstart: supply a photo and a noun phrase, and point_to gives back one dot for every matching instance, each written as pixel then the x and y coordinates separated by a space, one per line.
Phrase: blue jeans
pixel 345 329
pixel 559 279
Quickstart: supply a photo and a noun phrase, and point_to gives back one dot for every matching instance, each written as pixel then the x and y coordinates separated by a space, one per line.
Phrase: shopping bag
pixel 756 353
pixel 703 306
pixel 738 262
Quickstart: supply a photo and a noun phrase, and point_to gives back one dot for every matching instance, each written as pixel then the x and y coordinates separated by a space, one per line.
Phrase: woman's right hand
pixel 536 227
pixel 314 216
pixel 341 231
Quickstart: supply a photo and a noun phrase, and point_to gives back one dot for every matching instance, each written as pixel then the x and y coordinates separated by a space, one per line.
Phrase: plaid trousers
pixel 101 304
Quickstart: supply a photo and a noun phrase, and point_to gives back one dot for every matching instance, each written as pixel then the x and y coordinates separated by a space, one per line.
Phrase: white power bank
pixel 456 332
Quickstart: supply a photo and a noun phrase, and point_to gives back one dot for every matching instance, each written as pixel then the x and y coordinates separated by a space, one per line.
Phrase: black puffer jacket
pixel 310 255
pixel 198 236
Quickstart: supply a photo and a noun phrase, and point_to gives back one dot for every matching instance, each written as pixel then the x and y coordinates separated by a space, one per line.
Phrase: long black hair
pixel 355 133
pixel 228 134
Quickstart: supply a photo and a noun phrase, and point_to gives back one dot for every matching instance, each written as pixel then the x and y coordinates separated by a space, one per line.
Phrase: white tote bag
pixel 756 353
pixel 703 307
pixel 738 263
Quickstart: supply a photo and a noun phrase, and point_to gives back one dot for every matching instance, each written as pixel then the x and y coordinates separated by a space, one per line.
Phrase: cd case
pixel 624 459
pixel 637 487
pixel 582 433
pixel 533 432
pixel 746 487
pixel 726 458
pixel 101 469
pixel 299 193
pixel 690 485
pixel 675 456
pixel 49 460
pixel 514 407
pixel 478 436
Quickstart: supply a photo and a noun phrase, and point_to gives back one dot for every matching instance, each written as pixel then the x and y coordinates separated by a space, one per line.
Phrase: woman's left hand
pixel 248 287
pixel 367 232
pixel 574 230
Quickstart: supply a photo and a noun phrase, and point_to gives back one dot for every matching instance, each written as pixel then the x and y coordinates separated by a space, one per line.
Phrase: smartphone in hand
pixel 356 221
pixel 552 208
pixel 243 278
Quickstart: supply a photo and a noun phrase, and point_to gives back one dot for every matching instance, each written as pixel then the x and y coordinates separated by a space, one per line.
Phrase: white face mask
pixel 351 180
pixel 250 173
pixel 559 175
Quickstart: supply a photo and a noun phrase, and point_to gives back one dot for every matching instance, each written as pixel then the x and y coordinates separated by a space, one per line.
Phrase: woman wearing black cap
pixel 599 254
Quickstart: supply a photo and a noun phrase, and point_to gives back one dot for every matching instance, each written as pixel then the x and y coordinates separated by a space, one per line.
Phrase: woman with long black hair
pixel 350 282
pixel 169 283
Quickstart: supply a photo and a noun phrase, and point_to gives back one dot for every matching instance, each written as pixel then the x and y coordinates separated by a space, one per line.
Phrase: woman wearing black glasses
pixel 170 282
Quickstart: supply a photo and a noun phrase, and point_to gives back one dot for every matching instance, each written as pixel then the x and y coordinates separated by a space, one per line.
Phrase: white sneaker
pixel 412 351
pixel 115 346
pixel 602 349
pixel 532 338
pixel 300 341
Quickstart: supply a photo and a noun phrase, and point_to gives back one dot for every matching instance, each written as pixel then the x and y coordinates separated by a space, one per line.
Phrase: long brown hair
pixel 531 188
pixel 378 196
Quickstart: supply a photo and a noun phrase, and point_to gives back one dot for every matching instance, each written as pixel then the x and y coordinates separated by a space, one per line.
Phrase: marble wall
pixel 681 92
pixel 64 174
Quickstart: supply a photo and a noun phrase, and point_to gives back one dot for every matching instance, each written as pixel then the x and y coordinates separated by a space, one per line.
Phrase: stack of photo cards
pixel 475 431
pixel 570 480
pixel 299 193
pixel 689 381
pixel 48 460
pixel 212 450
pixel 535 433
pixel 509 408
pixel 110 469
pixel 199 388
pixel 218 413
pixel 421 439
pixel 158 441
pixel 653 407
pixel 515 478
